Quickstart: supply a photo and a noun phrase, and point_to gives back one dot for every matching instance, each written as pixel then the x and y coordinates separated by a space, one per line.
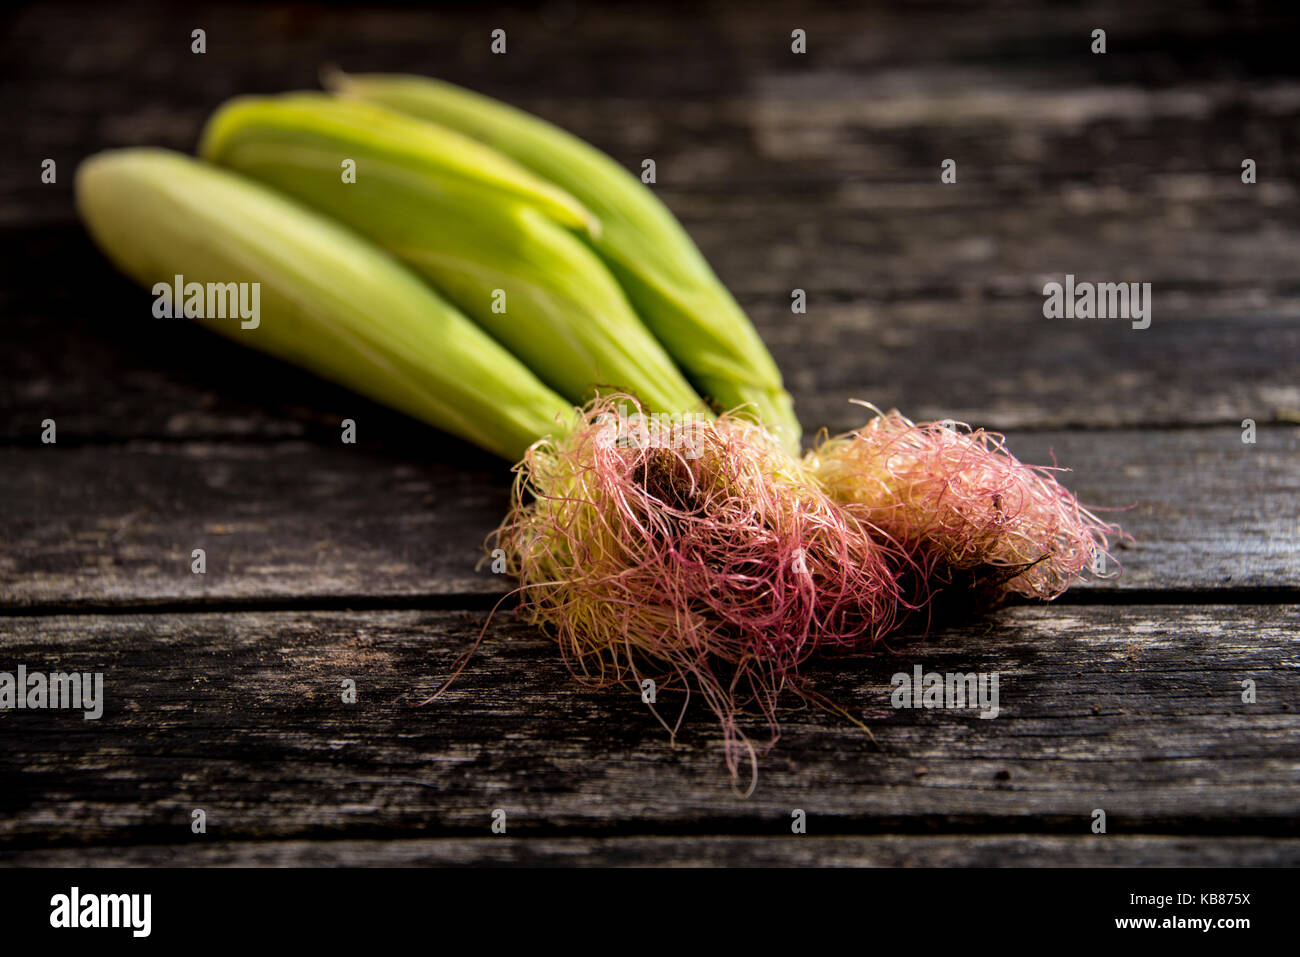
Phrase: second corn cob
pixel 665 276
pixel 533 285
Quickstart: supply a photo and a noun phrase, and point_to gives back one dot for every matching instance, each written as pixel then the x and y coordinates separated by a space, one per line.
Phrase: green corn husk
pixel 665 276
pixel 329 300
pixel 563 314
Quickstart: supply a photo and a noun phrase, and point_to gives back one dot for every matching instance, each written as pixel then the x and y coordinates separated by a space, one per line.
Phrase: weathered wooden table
pixel 821 171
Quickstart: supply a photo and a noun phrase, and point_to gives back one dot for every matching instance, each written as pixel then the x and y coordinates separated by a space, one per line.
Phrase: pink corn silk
pixel 701 555
pixel 706 558
pixel 960 500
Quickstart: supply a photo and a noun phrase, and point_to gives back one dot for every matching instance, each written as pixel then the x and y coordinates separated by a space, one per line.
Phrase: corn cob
pixel 665 276
pixel 505 260
pixel 333 302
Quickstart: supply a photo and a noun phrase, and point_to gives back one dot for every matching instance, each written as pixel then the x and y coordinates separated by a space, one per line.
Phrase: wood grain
pixel 1214 354
pixel 115 525
pixel 1134 710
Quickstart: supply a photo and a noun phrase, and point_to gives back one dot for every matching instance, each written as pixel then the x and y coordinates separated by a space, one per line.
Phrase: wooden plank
pixel 913 850
pixel 102 526
pixel 126 74
pixel 1134 710
pixel 1001 365
pixel 845 144
pixel 1215 353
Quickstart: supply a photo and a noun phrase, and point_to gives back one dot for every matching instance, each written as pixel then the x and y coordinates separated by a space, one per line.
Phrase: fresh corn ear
pixel 451 161
pixel 320 296
pixel 665 276
pixel 505 260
